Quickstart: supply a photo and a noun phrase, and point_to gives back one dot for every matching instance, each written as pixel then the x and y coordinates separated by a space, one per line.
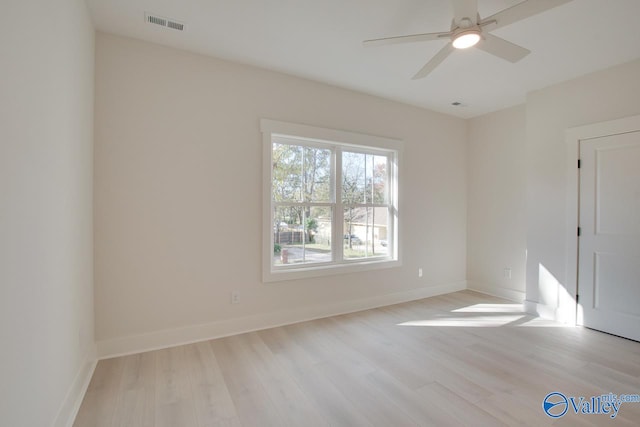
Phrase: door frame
pixel 573 136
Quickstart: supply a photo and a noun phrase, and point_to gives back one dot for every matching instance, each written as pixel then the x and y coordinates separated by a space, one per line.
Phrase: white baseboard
pixel 190 334
pixel 73 400
pixel 496 291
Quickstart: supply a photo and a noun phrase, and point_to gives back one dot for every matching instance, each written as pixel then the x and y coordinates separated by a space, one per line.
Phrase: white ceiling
pixel 322 40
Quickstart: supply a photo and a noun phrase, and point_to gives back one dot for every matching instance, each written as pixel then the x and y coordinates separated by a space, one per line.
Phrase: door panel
pixel 617 191
pixel 623 271
pixel 609 248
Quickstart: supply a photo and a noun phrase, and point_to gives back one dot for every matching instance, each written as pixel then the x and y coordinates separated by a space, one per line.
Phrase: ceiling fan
pixel 469 30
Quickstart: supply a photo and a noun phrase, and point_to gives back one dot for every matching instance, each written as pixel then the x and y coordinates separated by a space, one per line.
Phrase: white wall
pixel 178 196
pixel 46 238
pixel 497 229
pixel 521 152
pixel 597 97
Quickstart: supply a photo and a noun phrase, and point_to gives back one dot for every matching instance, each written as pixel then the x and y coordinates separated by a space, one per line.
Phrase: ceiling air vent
pixel 175 25
pixel 164 22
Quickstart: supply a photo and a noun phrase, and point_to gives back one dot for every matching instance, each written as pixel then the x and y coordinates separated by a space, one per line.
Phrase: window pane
pixel 287 173
pixel 379 180
pixel 317 175
pixel 353 177
pixel 365 232
pixel 379 231
pixel 301 235
pixel 318 229
pixel 364 178
pixel 301 174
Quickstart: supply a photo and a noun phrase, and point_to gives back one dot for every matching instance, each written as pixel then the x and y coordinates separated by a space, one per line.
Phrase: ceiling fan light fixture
pixel 466 39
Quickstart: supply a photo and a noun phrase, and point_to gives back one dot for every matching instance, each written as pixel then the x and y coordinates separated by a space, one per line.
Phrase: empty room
pixel 331 213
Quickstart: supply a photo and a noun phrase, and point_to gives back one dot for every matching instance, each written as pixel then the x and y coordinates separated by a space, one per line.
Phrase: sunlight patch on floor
pixel 491 308
pixel 537 322
pixel 466 322
pixel 486 315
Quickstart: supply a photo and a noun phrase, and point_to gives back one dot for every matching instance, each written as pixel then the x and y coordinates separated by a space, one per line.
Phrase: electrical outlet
pixel 235 297
pixel 420 272
pixel 507 273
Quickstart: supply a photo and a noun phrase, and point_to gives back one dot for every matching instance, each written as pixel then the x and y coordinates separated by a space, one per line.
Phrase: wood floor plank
pixel 457 359
pixel 371 402
pixel 455 410
pixel 508 410
pixel 396 358
pixel 174 401
pixel 136 403
pixel 405 397
pixel 290 401
pixel 328 399
pixel 213 403
pixel 252 402
pixel 100 401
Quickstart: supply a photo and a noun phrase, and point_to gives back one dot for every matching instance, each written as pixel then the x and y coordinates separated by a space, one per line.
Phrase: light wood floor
pixel 458 359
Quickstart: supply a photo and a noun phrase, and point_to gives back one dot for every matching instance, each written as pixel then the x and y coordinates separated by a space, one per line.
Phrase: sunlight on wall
pixel 554 295
pixel 579 315
pixel 566 306
pixel 548 287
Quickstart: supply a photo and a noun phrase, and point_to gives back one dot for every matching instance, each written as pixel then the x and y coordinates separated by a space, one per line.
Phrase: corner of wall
pixel 497 291
pixel 71 404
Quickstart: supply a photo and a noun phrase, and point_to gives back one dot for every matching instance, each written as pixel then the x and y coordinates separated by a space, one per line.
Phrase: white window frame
pixel 316 136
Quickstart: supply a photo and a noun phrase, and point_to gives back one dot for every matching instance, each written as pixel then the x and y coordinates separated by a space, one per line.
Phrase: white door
pixel 609 248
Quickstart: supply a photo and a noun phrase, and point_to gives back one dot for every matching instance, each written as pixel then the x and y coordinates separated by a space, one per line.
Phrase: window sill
pixel 327 270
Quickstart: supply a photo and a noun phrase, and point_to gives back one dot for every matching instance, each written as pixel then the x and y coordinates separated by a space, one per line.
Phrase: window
pixel 330 201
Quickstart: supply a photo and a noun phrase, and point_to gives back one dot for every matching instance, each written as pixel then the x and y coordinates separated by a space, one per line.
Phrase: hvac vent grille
pixel 156 20
pixel 164 22
pixel 175 25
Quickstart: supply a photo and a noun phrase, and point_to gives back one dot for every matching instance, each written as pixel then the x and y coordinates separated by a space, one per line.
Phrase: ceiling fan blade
pixel 406 39
pixel 434 62
pixel 521 11
pixel 502 48
pixel 465 9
